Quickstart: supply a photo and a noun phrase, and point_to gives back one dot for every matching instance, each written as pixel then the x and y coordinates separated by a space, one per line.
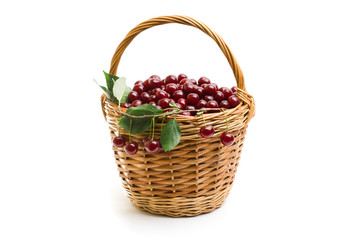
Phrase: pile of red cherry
pixel 187 94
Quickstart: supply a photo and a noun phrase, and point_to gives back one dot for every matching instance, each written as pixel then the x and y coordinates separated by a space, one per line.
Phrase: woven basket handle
pixel 181 20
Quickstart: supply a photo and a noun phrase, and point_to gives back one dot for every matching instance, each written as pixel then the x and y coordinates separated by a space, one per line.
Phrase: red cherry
pixel 203 80
pixel 145 140
pixel 201 104
pixel 131 148
pixel 189 87
pixel 224 104
pixel 193 81
pixel 146 85
pixel 139 88
pixel 158 106
pixel 218 96
pixel 160 147
pixel 200 91
pixel 210 89
pixel 133 96
pixel 162 94
pixel 152 146
pixel 234 89
pixel 182 102
pixel 152 103
pixel 182 76
pixel 184 81
pixel 207 131
pixel 171 88
pixel 164 103
pixel 144 97
pixel 189 107
pixel 226 92
pixel 208 98
pixel 178 94
pixel 185 114
pixel 136 103
pixel 155 77
pixel 162 87
pixel 192 99
pixel 153 98
pixel 233 101
pixel 119 141
pixel 138 82
pixel 155 83
pixel 126 105
pixel 227 139
pixel 171 79
pixel 212 104
pixel 178 105
pixel 155 90
pixel 214 84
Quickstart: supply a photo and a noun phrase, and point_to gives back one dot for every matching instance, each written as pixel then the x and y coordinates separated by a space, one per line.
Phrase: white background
pixel 300 175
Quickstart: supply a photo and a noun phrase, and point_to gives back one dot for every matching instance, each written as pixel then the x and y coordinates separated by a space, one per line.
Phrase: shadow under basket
pixel 197 175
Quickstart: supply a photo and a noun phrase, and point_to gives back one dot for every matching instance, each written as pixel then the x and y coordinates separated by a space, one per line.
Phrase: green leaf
pixel 126 94
pixel 170 135
pixel 119 88
pixel 200 112
pixel 108 93
pixel 139 125
pixel 172 104
pixel 110 80
pixel 144 109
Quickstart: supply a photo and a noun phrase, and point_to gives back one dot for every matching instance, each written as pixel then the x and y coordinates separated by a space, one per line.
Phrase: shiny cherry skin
pixel 212 104
pixel 193 81
pixel 146 85
pixel 182 102
pixel 160 147
pixel 152 103
pixel 171 79
pixel 151 146
pixel 133 95
pixel 207 131
pixel 233 101
pixel 184 81
pixel 201 104
pixel 185 114
pixel 138 82
pixel 226 92
pixel 126 105
pixel 136 103
pixel 153 98
pixel 178 94
pixel 218 96
pixel 171 88
pixel 178 105
pixel 131 148
pixel 210 89
pixel 144 97
pixel 224 104
pixel 203 80
pixel 189 88
pixel 208 98
pixel 189 107
pixel 155 90
pixel 162 94
pixel 182 76
pixel 192 99
pixel 234 89
pixel 164 103
pixel 119 141
pixel 139 88
pixel 200 91
pixel 227 139
pixel 154 77
pixel 155 83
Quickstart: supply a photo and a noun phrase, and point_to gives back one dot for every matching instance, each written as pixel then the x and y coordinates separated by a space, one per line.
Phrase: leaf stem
pixel 130 130
pixel 153 121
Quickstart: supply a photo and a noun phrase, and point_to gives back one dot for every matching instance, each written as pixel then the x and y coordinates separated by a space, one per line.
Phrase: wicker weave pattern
pixel 196 176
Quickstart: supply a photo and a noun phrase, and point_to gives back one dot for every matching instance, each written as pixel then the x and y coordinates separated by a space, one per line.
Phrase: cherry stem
pixel 162 122
pixel 226 119
pixel 153 121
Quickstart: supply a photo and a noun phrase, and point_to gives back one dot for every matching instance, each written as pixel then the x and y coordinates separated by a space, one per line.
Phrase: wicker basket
pixel 197 175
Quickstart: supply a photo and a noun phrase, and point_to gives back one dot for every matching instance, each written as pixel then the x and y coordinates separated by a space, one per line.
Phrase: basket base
pixel 179 206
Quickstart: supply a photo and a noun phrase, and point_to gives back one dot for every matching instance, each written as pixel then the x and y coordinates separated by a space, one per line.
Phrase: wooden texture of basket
pixel 197 175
